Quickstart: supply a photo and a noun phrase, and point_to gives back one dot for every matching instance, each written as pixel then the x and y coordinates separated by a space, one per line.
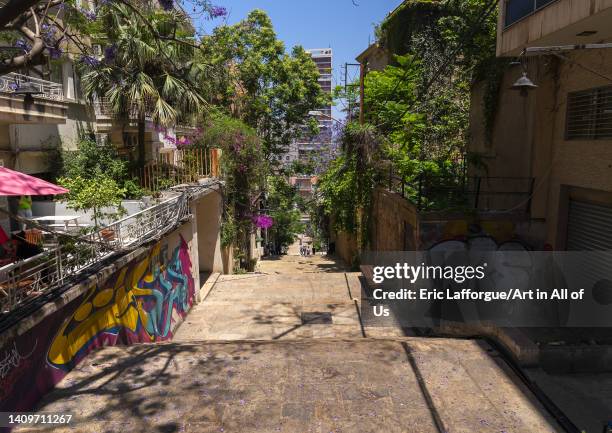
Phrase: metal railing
pixel 103 108
pixel 28 279
pixel 486 193
pixel 11 82
pixel 178 167
pixel 156 220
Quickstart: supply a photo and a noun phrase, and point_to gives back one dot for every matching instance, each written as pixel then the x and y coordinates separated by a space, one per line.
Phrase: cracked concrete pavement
pixel 244 361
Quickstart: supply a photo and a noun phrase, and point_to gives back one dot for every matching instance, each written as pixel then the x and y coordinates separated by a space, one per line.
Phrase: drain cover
pixel 316 318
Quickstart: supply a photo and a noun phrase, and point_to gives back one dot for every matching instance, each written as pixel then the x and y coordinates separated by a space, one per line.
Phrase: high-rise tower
pixel 317 148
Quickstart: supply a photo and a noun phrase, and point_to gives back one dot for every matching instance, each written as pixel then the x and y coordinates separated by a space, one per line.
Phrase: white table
pixel 59 219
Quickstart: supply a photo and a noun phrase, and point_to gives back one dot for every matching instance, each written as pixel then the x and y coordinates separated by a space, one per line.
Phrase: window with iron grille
pixel 589 114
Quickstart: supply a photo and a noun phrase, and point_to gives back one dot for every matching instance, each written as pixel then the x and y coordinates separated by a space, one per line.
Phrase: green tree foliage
pixel 283 203
pixel 420 102
pixel 100 194
pixel 148 69
pixel 439 50
pixel 93 160
pixel 270 90
pixel 347 98
pixel 244 169
pixel 416 109
pixel 346 187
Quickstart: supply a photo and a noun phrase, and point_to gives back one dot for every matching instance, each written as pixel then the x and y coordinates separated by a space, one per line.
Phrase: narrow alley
pixel 284 350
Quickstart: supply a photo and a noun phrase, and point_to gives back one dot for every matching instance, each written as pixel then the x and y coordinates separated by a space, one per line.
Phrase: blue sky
pixel 319 24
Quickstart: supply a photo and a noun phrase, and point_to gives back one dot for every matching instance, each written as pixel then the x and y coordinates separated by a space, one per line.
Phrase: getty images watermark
pixel 507 288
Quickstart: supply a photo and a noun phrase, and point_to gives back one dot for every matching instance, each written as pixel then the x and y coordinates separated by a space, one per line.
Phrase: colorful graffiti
pixel 136 306
pixel 141 302
pixel 432 233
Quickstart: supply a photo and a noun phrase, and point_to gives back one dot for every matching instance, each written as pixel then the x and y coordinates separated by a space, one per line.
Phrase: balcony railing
pixel 444 193
pixel 25 281
pixel 103 108
pixel 519 9
pixel 179 167
pixel 12 81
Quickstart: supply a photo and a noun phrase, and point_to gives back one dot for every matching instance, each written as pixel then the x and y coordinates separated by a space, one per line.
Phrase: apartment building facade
pixel 58 115
pixel 318 147
pixel 559 133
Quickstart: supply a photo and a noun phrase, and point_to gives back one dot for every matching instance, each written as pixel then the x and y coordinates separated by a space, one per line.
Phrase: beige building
pixel 56 116
pixel 123 133
pixel 560 133
pixel 373 58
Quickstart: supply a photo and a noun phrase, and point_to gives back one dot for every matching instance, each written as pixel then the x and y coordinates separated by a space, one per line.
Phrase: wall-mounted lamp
pixel 524 84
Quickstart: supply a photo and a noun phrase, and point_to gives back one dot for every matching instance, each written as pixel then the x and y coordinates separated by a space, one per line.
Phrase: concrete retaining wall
pixel 395 222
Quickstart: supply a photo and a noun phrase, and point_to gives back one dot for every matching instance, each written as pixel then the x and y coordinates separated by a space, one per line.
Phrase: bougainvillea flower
pixel 263 221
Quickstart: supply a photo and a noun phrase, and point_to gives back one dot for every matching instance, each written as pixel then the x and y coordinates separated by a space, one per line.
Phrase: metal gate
pixel 589 227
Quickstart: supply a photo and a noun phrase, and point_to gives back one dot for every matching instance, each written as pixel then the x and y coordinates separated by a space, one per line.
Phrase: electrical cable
pixel 586 68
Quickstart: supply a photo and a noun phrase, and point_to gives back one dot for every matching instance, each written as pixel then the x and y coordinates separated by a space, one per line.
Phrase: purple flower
pixel 90 15
pixel 48 34
pixel 183 142
pixel 90 61
pixel 22 44
pixel 110 53
pixel 170 139
pixel 55 53
pixel 263 221
pixel 217 12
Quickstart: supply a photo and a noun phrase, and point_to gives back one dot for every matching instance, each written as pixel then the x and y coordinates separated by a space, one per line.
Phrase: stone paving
pixel 245 362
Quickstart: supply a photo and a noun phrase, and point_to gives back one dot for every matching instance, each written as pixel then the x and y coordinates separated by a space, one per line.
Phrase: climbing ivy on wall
pixel 397 37
pixel 493 82
pixel 443 49
pixel 417 107
pixel 347 187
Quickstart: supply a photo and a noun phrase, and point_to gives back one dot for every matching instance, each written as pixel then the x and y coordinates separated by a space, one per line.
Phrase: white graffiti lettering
pixel 12 358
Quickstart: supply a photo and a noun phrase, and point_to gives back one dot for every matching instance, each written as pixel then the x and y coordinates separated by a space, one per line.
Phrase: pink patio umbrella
pixel 16 183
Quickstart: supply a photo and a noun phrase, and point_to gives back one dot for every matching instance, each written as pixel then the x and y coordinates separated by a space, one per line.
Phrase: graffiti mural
pixel 142 302
pixel 136 306
pixel 432 233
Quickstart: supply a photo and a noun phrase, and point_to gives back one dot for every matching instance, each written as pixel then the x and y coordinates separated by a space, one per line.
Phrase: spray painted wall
pixel 141 302
pixel 500 230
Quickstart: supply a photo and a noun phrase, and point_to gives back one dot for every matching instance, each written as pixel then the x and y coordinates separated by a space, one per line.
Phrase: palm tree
pixel 147 70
